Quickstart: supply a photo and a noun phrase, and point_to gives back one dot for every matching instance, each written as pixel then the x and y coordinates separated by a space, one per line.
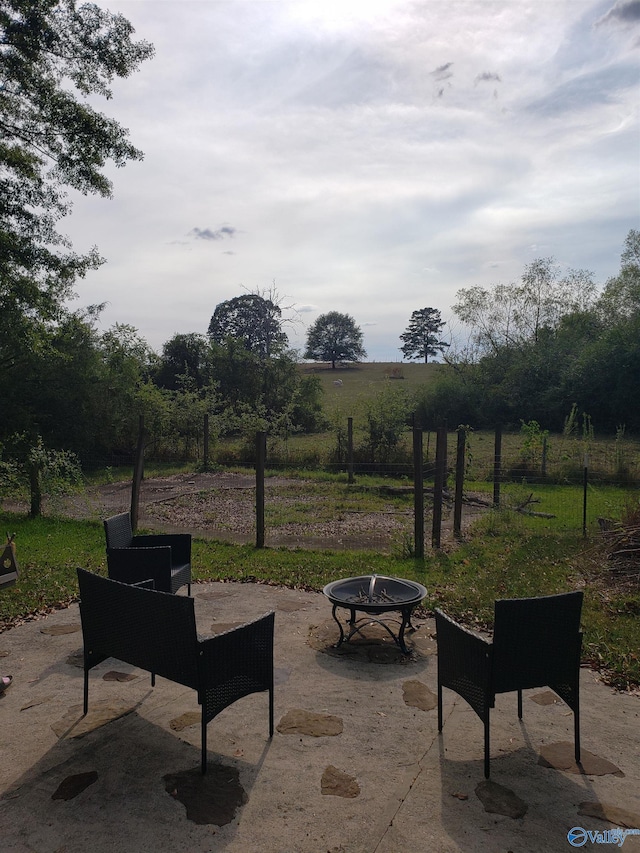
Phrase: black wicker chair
pixel 165 557
pixel 536 642
pixel 156 632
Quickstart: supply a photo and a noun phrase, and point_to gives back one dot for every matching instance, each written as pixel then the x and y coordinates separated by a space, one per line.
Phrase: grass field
pixel 362 382
pixel 607 456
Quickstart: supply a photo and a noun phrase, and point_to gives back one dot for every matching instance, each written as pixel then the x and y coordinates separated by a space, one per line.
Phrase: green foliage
pixel 30 466
pixel 535 441
pixel 570 421
pixel 56 58
pixel 422 334
pixel 251 319
pixel 270 390
pixel 547 339
pixel 387 419
pixel 10 480
pixel 451 398
pixel 185 363
pixel 334 337
pixel 307 412
pixel 513 314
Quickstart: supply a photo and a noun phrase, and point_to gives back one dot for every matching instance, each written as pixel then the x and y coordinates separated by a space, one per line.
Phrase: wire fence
pixel 403 507
pixel 432 490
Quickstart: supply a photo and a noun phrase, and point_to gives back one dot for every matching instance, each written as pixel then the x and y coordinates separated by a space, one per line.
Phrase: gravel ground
pixel 221 505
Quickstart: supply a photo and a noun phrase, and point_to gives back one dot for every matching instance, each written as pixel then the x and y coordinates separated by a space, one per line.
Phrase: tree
pixel 335 337
pixel 185 361
pixel 54 59
pixel 513 314
pixel 387 417
pixel 421 336
pixel 251 319
pixel 269 390
pixel 621 295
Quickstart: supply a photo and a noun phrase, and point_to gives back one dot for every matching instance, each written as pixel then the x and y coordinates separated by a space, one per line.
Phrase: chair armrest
pixel 132 565
pixel 464 662
pixel 235 663
pixel 180 544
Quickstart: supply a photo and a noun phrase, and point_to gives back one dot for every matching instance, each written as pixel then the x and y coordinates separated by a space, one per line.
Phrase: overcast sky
pixel 368 156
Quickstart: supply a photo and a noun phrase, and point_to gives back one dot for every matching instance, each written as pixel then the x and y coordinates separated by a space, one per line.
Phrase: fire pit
pixel 375 595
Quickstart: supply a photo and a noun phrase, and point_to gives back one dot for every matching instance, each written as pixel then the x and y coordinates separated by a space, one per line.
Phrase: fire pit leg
pixel 341 640
pixel 406 623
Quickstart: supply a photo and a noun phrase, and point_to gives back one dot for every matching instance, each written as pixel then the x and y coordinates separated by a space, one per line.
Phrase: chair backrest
pixel 536 641
pixel 118 532
pixel 153 630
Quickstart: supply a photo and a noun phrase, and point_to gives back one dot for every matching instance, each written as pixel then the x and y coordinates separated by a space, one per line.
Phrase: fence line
pixel 363 513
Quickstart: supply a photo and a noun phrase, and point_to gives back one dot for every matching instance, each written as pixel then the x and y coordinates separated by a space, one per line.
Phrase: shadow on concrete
pixel 128 781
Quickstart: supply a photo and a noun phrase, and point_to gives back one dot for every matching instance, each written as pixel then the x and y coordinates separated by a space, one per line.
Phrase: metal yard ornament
pixel 8 563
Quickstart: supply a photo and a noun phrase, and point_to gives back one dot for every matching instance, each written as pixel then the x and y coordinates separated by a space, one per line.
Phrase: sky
pixel 371 157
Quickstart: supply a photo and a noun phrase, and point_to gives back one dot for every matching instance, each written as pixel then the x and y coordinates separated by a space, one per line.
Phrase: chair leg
pixel 271 711
pixel 519 704
pixel 576 732
pixel 439 707
pixel 486 747
pixel 86 692
pixel 203 736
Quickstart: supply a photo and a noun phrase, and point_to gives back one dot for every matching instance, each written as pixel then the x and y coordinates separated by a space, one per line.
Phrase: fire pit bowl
pixel 375 595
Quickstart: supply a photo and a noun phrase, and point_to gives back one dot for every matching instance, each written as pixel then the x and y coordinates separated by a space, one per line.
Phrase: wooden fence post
pixel 457 506
pixel 418 494
pixel 350 449
pixel 261 455
pixel 205 444
pixel 497 466
pixel 438 486
pixel 138 471
pixel 585 490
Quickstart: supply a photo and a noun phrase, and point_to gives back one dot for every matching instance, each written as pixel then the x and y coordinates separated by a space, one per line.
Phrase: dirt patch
pixel 222 505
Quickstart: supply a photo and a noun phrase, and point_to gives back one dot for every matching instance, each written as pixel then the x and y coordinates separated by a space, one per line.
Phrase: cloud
pixel 208 234
pixel 601 86
pixel 443 72
pixel 624 11
pixel 354 182
pixel 488 77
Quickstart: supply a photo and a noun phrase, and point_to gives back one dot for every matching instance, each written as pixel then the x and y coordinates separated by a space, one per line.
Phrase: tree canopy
pixel 512 314
pixel 185 362
pixel 546 345
pixel 421 338
pixel 252 320
pixel 335 337
pixel 54 58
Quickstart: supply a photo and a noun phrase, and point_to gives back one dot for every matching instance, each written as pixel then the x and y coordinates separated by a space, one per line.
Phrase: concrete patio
pixel 356 764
